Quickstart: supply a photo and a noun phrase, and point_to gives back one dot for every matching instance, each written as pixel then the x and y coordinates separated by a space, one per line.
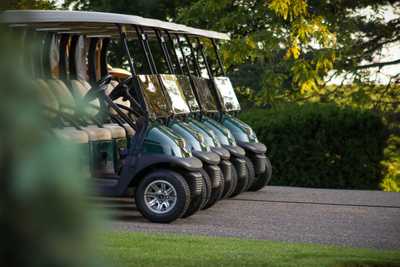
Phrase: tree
pixel 297 42
pixel 28 4
pixel 158 9
pixel 282 50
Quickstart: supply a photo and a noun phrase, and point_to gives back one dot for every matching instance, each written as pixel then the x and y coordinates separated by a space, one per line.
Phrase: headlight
pixel 249 131
pixel 182 145
pixel 181 142
pixel 200 137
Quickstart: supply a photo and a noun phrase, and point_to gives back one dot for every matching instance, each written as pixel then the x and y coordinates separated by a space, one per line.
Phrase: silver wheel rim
pixel 160 196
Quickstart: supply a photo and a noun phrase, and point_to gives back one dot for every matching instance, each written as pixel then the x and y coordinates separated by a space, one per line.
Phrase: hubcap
pixel 160 196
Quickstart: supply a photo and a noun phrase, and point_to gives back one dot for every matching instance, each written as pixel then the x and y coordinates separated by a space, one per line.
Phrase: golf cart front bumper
pixel 210 164
pixel 207 157
pixel 256 148
pixel 256 152
pixel 222 152
pixel 226 168
pixel 195 182
pixel 236 151
pixel 237 155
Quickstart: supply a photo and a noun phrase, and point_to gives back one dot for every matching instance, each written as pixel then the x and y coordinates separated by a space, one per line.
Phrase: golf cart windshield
pixel 188 92
pixel 154 97
pixel 175 93
pixel 206 97
pixel 227 94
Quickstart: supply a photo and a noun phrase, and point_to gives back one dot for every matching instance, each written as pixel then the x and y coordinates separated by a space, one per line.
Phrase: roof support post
pixel 185 62
pixel 203 55
pixel 139 92
pixel 194 58
pixel 164 50
pixel 221 66
pixel 171 43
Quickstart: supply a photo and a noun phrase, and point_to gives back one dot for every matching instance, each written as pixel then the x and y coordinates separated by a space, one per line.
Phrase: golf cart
pixel 174 87
pixel 164 174
pixel 223 139
pixel 220 91
pixel 219 134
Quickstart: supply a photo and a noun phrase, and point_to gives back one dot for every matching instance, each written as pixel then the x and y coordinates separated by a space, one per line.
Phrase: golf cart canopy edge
pixel 88 22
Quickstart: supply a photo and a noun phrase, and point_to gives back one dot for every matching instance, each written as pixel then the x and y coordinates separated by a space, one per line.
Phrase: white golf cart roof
pixel 96 23
pixel 206 33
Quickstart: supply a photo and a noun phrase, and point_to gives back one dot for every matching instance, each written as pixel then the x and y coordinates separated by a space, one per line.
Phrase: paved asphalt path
pixel 338 217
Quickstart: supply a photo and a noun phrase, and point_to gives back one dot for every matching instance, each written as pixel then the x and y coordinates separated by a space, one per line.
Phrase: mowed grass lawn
pixel 139 249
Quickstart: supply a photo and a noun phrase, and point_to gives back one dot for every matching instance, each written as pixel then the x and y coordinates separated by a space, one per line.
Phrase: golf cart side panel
pixel 209 135
pixel 239 129
pixel 191 142
pixel 138 167
pixel 160 141
pixel 223 134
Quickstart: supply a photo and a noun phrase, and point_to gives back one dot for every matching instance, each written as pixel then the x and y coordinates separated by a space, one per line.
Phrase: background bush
pixel 322 145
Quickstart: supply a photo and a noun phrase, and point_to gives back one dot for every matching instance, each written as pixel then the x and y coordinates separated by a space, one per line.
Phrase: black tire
pixel 182 196
pixel 207 191
pixel 251 172
pixel 241 185
pixel 263 179
pixel 200 201
pixel 234 181
pixel 222 187
pixel 196 202
pixel 215 193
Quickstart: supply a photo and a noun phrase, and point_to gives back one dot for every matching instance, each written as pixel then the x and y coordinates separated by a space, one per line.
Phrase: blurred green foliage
pixel 44 219
pixel 322 145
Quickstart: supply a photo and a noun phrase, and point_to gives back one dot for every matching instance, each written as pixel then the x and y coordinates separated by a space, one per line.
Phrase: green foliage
pixel 391 182
pixel 384 99
pixel 158 9
pixel 28 4
pixel 271 34
pixel 293 43
pixel 320 145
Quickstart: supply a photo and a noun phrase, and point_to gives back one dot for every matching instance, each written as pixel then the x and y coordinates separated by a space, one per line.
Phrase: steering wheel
pixel 121 90
pixel 98 89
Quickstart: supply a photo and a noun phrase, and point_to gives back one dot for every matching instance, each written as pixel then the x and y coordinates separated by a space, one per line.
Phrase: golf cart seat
pixel 51 105
pixel 72 134
pixel 129 130
pixel 102 144
pixel 47 99
pixel 68 106
pixel 79 89
pixel 121 102
pixel 86 86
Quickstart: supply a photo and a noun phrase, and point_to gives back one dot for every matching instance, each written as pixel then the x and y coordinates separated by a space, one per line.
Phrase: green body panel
pixel 102 156
pixel 240 130
pixel 120 145
pixel 223 134
pixel 160 139
pixel 209 136
pixel 195 140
